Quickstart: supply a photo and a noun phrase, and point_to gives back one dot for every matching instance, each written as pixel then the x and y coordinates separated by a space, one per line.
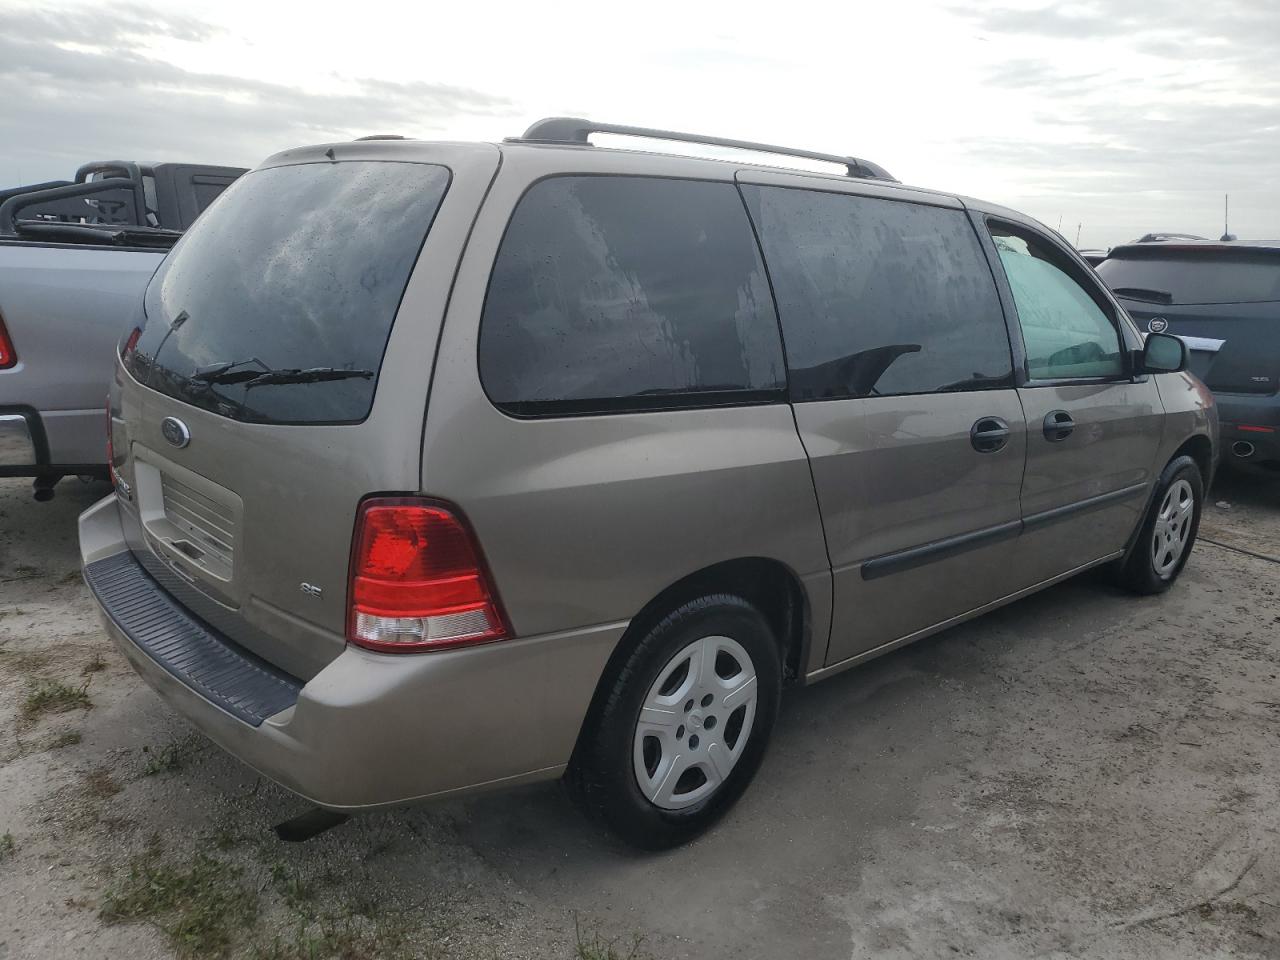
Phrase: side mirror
pixel 1164 353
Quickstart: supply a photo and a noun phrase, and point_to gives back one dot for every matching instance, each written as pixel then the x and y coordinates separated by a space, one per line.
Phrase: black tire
pixel 602 777
pixel 1139 572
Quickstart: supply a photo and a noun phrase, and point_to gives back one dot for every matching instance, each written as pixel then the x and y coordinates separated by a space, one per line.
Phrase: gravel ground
pixel 1081 774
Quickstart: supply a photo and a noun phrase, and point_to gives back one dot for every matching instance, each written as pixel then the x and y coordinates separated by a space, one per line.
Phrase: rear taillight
pixel 8 356
pixel 130 342
pixel 417 580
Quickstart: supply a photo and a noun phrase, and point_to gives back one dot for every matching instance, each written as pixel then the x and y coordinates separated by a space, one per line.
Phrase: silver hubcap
pixel 1173 527
pixel 695 723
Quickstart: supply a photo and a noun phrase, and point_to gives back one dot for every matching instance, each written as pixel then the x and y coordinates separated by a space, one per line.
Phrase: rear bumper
pixel 369 730
pixel 52 443
pixel 1237 413
pixel 17 446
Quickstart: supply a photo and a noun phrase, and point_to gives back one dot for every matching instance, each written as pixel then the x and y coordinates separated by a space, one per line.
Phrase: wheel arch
pixel 1200 449
pixel 767 584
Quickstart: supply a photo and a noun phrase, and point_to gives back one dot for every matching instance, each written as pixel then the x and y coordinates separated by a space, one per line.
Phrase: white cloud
pixel 1123 116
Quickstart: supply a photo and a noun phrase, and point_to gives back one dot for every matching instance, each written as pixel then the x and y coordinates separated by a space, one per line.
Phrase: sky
pixel 1105 119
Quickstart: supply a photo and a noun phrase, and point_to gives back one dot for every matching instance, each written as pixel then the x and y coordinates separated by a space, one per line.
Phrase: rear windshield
pixel 277 305
pixel 1190 278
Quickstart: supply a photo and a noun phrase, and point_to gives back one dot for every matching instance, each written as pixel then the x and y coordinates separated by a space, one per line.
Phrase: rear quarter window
pixel 615 293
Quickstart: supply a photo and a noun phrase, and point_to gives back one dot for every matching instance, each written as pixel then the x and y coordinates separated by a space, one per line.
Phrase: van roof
pixel 571 134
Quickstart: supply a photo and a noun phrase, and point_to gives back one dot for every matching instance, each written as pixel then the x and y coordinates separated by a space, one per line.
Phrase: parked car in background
pixel 1092 257
pixel 1162 237
pixel 1223 299
pixel 75 257
pixel 494 468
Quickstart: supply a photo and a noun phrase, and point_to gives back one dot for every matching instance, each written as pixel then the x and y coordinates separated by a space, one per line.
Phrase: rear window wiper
pixel 1144 294
pixel 227 372
pixel 313 375
pixel 239 371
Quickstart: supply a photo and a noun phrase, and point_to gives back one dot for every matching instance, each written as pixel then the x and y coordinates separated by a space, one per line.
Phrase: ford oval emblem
pixel 1157 325
pixel 175 431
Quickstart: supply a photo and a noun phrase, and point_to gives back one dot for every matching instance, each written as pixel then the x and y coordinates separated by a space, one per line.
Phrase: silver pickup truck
pixel 75 257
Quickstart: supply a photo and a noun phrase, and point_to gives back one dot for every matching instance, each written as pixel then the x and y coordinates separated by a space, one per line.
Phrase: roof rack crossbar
pixel 574 130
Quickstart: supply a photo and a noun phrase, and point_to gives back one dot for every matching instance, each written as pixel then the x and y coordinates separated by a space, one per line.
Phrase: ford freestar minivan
pixel 441 466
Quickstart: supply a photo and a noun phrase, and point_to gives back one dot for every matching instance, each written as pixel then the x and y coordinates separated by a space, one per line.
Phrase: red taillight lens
pixel 130 342
pixel 1253 428
pixel 8 356
pixel 417 580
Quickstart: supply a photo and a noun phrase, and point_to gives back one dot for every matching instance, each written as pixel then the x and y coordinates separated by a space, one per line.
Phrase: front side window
pixel 1066 332
pixel 614 293
pixel 879 297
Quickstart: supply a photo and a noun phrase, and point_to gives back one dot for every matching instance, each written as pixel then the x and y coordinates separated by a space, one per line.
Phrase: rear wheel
pixel 1169 530
pixel 684 724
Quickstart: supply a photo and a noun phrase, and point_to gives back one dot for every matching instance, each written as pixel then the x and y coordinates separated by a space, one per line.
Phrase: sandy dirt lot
pixel 1082 774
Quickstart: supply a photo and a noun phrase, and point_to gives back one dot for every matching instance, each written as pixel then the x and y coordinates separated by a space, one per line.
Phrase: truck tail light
pixel 8 356
pixel 418 581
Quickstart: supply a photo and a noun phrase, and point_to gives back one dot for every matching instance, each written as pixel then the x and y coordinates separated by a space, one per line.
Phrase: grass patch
pixel 7 847
pixel 201 907
pixel 54 696
pixel 171 757
pixel 595 947
pixel 336 937
pixel 95 665
pixel 297 893
pixel 68 739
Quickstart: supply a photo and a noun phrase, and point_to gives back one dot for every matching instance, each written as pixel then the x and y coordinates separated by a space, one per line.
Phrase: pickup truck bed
pixel 75 258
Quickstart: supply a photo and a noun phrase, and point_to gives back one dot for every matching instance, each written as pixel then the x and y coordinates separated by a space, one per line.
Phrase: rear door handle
pixel 1058 425
pixel 989 434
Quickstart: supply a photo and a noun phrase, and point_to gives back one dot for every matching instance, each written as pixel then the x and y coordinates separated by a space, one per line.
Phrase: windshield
pixel 276 306
pixel 1190 278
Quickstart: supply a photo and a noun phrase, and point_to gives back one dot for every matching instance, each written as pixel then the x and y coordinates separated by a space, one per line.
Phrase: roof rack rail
pixel 574 130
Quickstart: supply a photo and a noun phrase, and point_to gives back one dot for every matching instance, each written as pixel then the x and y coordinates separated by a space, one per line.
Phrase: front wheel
pixel 684 724
pixel 1169 531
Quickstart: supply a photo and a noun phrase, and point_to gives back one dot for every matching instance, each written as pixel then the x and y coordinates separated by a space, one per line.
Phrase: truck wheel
pixel 683 726
pixel 1169 531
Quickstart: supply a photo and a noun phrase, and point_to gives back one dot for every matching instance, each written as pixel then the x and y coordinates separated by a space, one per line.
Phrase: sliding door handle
pixel 989 434
pixel 1058 425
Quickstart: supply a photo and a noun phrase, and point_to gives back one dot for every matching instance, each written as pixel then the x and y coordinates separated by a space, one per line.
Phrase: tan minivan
pixel 442 466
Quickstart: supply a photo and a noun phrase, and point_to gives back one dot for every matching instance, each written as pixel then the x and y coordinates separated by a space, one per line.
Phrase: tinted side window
pixel 1065 331
pixel 880 297
pixel 615 293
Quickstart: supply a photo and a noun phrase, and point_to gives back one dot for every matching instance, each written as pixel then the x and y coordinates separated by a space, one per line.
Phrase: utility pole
pixel 1078 226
